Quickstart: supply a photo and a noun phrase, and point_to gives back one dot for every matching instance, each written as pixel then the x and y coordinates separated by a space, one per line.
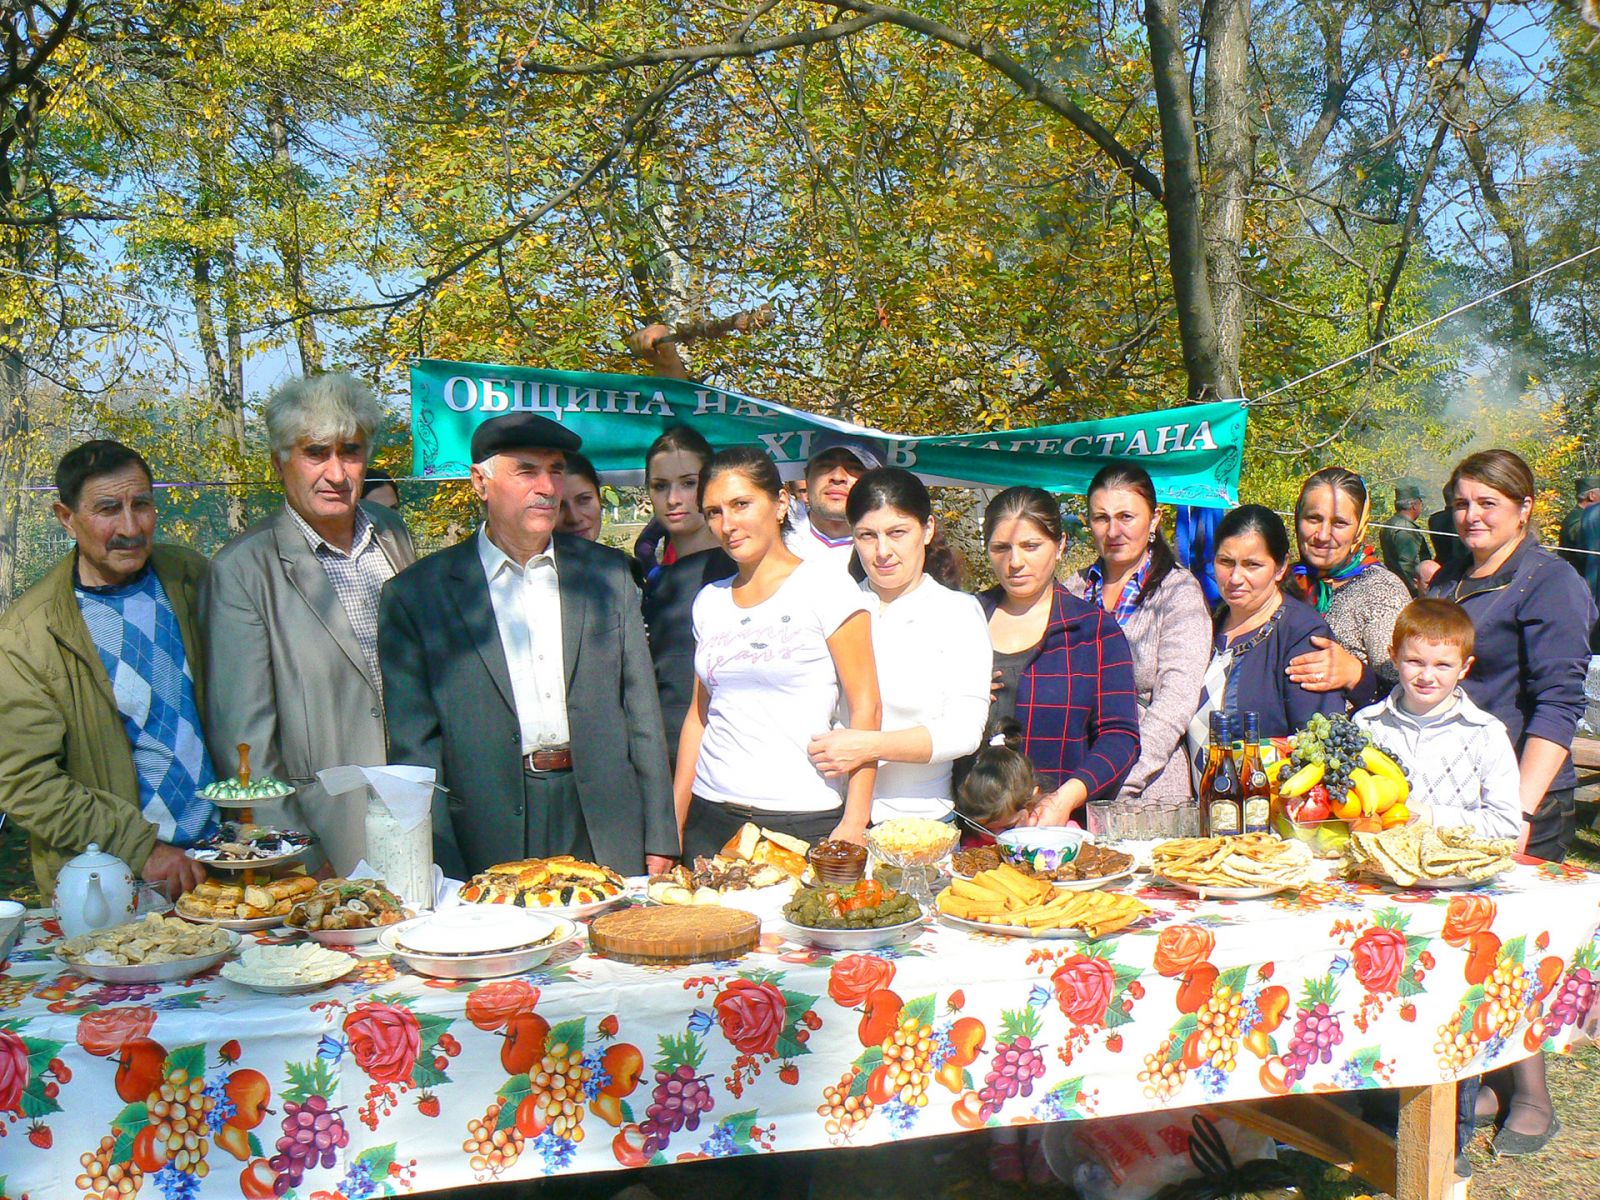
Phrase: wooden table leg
pixel 1426 1146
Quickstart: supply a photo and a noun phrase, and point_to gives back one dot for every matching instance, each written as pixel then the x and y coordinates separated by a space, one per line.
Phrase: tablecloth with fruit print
pixel 389 1082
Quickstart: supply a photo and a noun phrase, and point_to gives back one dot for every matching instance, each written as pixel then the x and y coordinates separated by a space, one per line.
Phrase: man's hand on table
pixel 173 870
pixel 658 864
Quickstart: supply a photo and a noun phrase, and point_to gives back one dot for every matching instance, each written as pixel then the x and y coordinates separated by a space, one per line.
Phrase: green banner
pixel 1193 453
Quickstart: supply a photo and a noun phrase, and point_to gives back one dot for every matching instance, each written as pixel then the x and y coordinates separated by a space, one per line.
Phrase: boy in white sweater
pixel 1463 769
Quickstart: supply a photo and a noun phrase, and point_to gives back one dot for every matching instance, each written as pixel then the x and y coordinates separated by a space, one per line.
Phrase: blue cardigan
pixel 1532 620
pixel 1257 681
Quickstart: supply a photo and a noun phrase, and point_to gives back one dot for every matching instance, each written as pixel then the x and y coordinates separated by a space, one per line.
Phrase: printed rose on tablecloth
pixel 1468 914
pixel 752 1015
pixel 1181 947
pixel 1083 988
pixel 492 1005
pixel 13 1071
pixel 105 1032
pixel 1378 957
pixel 384 1040
pixel 856 977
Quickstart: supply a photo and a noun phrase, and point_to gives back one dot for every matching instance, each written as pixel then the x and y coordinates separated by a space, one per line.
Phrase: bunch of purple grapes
pixel 1016 1065
pixel 1572 1001
pixel 676 1103
pixel 1316 1033
pixel 312 1133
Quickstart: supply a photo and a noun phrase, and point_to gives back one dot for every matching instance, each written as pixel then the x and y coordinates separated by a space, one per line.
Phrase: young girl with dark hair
pixel 1001 784
pixel 930 645
pixel 777 647
pixel 1162 612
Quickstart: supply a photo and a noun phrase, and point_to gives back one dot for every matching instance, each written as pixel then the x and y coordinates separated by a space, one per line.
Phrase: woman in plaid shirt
pixel 1066 674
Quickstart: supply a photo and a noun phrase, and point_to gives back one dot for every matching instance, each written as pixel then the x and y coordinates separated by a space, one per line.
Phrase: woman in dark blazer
pixel 687 559
pixel 1066 674
pixel 1531 613
pixel 1256 632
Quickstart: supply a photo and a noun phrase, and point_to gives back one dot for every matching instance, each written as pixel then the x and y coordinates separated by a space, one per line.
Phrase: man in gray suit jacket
pixel 291 610
pixel 515 664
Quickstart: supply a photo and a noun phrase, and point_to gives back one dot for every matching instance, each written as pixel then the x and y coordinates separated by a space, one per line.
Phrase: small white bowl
pixel 11 917
pixel 1045 847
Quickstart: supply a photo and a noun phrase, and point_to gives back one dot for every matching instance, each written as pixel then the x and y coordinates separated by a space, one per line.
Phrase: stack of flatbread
pixel 1252 860
pixel 1412 854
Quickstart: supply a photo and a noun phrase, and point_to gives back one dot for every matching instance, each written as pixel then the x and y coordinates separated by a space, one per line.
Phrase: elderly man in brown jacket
pixel 99 701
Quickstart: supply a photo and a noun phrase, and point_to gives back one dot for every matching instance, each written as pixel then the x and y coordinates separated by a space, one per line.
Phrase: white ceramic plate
pixel 491 965
pixel 1089 885
pixel 254 802
pixel 242 864
pixel 344 937
pixel 853 939
pixel 230 972
pixel 571 911
pixel 1230 893
pixel 471 929
pixel 167 972
pixel 1449 883
pixel 238 924
pixel 1058 934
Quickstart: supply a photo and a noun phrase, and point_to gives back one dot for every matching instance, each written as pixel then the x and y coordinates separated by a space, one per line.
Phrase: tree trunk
pixel 1515 232
pixel 1186 247
pixel 14 443
pixel 1230 168
pixel 289 248
pixel 219 384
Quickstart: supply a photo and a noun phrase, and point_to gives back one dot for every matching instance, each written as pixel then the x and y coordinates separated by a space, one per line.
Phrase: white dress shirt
pixel 527 608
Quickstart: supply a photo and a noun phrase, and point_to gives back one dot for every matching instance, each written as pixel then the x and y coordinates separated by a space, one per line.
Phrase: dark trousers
pixel 1554 826
pixel 552 818
pixel 710 826
pixel 1550 834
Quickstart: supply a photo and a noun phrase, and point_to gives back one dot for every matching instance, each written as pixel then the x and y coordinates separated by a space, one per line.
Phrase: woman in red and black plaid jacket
pixel 1065 670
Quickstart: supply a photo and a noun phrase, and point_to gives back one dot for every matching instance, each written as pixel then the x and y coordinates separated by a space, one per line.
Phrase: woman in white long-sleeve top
pixel 931 645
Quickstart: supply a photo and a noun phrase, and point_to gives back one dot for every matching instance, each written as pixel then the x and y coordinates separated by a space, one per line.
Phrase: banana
pixel 1303 780
pixel 1365 785
pixel 1379 763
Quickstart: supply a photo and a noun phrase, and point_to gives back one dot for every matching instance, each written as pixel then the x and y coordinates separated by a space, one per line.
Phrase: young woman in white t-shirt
pixel 932 648
pixel 777 647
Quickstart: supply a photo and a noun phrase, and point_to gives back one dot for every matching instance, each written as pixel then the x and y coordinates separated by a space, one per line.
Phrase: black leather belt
pixel 548 760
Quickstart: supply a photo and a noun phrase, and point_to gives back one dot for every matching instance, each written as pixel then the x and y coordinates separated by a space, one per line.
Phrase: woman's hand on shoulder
pixel 840 751
pixel 1328 668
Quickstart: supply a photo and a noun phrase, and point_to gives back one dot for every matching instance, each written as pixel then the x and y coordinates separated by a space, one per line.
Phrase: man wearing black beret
pixel 515 664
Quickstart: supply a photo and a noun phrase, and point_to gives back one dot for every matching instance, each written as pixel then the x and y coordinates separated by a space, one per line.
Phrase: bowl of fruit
pixel 1336 780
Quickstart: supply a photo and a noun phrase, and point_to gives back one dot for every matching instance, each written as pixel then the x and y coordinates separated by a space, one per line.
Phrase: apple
pixel 140 1069
pixel 249 1091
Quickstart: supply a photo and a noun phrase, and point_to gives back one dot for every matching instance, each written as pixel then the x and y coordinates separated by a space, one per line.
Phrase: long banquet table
pixel 412 1084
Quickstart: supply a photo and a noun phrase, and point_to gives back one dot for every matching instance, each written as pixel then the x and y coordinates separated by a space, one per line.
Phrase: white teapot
pixel 95 890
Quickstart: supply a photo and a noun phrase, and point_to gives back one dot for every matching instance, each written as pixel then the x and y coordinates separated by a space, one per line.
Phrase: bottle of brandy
pixel 1221 810
pixel 1254 787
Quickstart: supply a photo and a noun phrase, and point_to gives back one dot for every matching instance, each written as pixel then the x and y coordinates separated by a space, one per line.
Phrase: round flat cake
pixel 674 934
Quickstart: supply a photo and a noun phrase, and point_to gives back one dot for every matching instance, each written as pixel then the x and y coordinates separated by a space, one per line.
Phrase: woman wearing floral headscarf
pixel 1344 578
